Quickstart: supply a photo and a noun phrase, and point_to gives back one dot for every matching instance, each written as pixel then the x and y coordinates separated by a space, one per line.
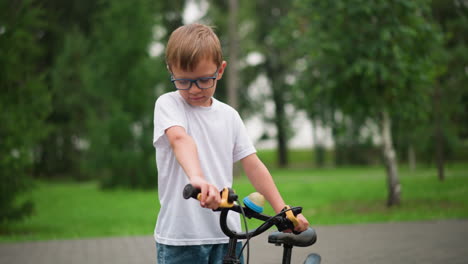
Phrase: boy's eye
pixel 183 82
pixel 204 81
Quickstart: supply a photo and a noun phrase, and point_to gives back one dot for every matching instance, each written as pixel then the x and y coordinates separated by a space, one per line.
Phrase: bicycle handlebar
pixel 284 220
pixel 228 196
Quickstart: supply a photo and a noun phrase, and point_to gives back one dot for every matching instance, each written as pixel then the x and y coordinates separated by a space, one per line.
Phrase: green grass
pixel 358 195
pixel 77 210
pixel 329 196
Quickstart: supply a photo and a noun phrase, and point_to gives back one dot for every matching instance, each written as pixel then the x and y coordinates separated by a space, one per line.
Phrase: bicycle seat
pixel 304 239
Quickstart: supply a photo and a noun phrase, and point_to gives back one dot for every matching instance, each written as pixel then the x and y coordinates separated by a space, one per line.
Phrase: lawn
pixel 78 210
pixel 329 196
pixel 358 195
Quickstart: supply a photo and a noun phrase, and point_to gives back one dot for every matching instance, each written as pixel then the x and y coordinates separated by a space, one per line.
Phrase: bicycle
pixel 284 220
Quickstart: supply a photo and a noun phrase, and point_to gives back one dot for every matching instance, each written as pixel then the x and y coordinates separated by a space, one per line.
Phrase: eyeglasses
pixel 202 83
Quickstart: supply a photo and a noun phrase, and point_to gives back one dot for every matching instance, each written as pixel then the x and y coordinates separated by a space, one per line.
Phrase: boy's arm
pixel 185 151
pixel 262 181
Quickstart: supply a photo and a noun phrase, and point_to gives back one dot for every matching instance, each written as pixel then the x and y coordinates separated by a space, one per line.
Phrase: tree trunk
pixel 233 72
pixel 411 157
pixel 439 134
pixel 319 149
pixel 280 122
pixel 275 74
pixel 440 159
pixel 394 187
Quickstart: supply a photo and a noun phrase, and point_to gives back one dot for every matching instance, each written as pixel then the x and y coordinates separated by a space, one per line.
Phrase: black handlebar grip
pixel 297 210
pixel 232 196
pixel 190 191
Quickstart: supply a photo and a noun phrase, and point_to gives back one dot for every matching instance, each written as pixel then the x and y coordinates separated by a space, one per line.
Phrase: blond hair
pixel 190 44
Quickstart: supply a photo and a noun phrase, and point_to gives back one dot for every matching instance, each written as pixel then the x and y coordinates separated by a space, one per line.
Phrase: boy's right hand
pixel 210 197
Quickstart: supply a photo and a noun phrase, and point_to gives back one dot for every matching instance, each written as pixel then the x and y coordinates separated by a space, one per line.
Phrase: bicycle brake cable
pixel 247 234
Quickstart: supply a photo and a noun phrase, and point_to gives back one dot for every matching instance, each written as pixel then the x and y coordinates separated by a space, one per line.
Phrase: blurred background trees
pixel 450 91
pixel 102 79
pixel 79 80
pixel 24 101
pixel 371 70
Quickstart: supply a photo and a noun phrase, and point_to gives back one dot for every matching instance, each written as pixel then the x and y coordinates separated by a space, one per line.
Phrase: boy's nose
pixel 194 88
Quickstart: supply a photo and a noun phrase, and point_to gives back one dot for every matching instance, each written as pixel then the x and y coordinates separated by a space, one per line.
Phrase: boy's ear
pixel 221 69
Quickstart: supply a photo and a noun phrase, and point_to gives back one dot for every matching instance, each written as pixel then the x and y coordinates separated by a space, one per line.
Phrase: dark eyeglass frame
pixel 192 81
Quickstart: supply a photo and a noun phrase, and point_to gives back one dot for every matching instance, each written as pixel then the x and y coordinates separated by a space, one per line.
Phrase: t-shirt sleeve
pixel 168 112
pixel 243 146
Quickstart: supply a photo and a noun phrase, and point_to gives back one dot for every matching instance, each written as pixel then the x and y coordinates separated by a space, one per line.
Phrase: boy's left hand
pixel 303 223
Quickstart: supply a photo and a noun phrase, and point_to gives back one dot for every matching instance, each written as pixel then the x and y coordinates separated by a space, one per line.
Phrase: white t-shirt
pixel 221 140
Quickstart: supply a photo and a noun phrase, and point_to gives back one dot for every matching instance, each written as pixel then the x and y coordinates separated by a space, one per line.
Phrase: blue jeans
pixel 200 254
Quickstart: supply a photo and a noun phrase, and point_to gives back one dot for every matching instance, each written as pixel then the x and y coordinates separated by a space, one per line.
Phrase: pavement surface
pixel 408 242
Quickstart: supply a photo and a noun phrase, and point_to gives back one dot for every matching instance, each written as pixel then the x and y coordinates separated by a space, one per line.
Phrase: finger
pixel 299 228
pixel 217 201
pixel 303 223
pixel 209 197
pixel 217 196
pixel 204 193
pixel 214 198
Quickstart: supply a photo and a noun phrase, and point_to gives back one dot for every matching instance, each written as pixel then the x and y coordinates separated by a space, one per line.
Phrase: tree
pixel 256 21
pixel 276 67
pixel 65 45
pixel 71 43
pixel 450 94
pixel 236 41
pixel 120 78
pixel 89 60
pixel 82 44
pixel 374 60
pixel 24 101
pixel 233 69
pixel 60 154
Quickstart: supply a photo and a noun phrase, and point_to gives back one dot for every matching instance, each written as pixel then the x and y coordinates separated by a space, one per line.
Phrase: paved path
pixel 412 242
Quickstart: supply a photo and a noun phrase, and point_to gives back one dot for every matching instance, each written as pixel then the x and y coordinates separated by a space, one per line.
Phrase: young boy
pixel 197 140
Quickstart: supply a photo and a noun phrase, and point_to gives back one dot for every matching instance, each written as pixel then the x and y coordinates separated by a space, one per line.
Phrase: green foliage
pixel 450 97
pixel 60 151
pixel 69 24
pixel 443 129
pixel 120 79
pixel 24 101
pixel 360 58
pixel 101 74
pixel 384 61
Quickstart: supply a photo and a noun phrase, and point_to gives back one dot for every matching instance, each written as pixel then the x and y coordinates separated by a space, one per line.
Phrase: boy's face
pixel 196 96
